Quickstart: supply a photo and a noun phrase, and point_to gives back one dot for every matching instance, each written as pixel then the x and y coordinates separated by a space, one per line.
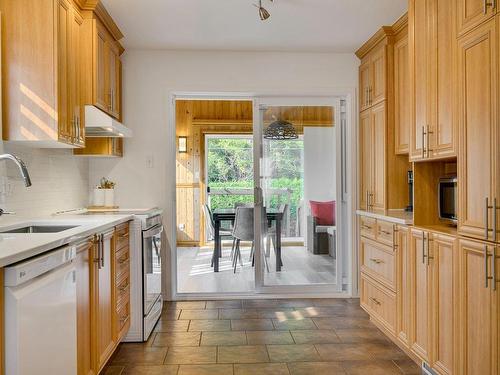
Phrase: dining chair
pixel 244 231
pixel 210 228
pixel 271 234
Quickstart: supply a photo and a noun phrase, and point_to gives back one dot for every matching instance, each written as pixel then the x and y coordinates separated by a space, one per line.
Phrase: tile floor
pixel 260 337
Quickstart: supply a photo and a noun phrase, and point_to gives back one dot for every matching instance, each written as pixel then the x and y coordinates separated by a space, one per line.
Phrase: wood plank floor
pixel 300 267
pixel 259 337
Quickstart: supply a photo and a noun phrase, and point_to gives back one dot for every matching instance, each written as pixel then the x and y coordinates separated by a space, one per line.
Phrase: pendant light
pixel 263 13
pixel 280 130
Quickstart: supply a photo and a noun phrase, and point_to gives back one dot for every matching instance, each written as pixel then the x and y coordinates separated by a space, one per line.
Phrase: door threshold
pixel 255 295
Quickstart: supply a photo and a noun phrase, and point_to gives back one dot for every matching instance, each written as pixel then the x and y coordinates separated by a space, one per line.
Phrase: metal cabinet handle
pixel 384 232
pixel 394 237
pixel 494 269
pixel 423 142
pixel 486 256
pixel 377 261
pixel 487 207
pixel 487 4
pixel 370 95
pixel 423 248
pixel 364 226
pixel 377 302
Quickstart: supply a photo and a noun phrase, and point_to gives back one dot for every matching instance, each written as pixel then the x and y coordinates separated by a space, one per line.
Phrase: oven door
pixel 151 263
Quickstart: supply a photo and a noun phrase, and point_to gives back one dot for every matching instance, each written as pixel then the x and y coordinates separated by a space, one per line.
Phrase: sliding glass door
pixel 295 195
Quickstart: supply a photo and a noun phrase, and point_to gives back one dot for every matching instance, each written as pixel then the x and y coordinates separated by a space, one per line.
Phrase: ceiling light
pixel 280 130
pixel 263 13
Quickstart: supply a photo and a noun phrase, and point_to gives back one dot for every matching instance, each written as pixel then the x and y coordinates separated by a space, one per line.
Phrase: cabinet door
pixel 75 107
pixel 478 117
pixel 471 13
pixel 401 96
pixel 419 65
pixel 442 264
pixel 100 89
pixel 104 310
pixel 113 77
pixel 377 89
pixel 84 264
pixel 378 115
pixel 364 83
pixel 366 158
pixel 403 291
pixel 63 70
pixel 478 311
pixel 420 295
pixel 442 42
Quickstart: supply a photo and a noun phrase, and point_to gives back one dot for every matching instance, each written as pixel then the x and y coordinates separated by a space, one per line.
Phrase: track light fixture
pixel 263 13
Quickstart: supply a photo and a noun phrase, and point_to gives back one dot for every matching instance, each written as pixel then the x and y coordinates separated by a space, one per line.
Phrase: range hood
pixel 100 124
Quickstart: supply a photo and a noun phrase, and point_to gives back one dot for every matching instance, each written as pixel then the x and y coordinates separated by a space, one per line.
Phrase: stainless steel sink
pixel 40 229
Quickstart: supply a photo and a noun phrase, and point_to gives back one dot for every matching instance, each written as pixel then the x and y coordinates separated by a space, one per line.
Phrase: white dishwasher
pixel 40 315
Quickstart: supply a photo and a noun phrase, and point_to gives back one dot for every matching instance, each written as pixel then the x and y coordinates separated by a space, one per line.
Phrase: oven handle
pixel 156 230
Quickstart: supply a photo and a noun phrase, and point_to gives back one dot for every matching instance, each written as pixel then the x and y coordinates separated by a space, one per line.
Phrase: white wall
pixel 149 79
pixel 60 181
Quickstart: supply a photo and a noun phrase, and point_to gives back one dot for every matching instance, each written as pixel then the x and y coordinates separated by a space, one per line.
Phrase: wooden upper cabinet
pixel 372 77
pixel 377 90
pixel 102 147
pixel 471 13
pixel 366 158
pixel 373 158
pixel 401 96
pixel 378 191
pixel 102 62
pixel 418 46
pixel 75 87
pixel 478 309
pixel 478 127
pixel 420 284
pixel 364 83
pixel 99 77
pixel 39 75
pixel 431 46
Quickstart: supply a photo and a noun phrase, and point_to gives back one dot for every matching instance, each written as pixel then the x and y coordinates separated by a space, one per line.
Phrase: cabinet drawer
pixel 121 236
pixel 379 302
pixel 378 261
pixel 123 290
pixel 385 232
pixel 367 227
pixel 122 263
pixel 123 317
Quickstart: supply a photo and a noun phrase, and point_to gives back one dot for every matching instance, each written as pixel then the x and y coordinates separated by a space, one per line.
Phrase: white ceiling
pixel 295 25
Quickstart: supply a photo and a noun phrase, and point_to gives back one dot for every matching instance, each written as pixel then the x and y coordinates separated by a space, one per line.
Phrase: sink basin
pixel 40 229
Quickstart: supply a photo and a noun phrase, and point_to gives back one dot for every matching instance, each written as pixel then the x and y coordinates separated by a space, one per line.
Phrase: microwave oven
pixel 447 200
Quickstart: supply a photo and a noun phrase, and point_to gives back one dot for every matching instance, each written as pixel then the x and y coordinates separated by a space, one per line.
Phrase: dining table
pixel 229 214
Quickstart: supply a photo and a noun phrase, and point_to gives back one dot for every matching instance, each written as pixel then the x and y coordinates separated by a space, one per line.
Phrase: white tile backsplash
pixel 60 181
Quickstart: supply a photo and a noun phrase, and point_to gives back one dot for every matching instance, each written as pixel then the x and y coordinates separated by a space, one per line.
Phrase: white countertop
pixel 394 216
pixel 15 247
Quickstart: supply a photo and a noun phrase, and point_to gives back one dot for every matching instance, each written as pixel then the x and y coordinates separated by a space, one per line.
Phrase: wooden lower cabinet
pixel 103 298
pixel 84 274
pixel 104 278
pixel 479 305
pixel 420 313
pixel 403 293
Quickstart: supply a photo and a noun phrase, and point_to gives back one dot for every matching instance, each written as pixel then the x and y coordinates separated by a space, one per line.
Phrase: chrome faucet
pixel 22 167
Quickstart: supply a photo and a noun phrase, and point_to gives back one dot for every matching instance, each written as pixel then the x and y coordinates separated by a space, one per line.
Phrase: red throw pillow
pixel 324 212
